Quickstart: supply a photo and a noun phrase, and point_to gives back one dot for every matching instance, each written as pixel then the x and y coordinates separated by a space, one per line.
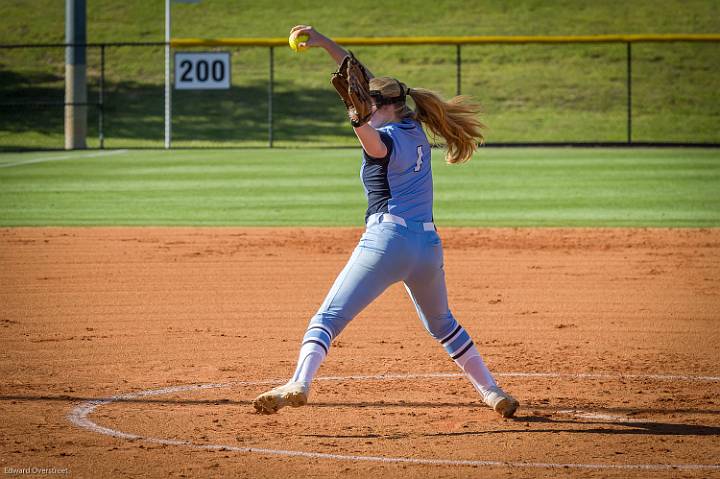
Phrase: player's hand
pixel 315 38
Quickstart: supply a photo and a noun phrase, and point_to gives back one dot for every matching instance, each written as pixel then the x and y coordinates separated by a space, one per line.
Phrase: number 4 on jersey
pixel 419 162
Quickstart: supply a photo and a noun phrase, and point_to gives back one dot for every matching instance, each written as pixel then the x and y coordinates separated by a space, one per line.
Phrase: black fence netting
pixel 599 93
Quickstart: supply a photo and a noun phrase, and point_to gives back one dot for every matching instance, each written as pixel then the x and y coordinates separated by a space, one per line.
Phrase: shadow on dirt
pixel 608 426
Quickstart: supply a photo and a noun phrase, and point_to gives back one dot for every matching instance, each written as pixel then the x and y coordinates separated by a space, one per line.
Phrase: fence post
pixel 168 88
pixel 101 91
pixel 270 99
pixel 458 63
pixel 629 93
pixel 75 75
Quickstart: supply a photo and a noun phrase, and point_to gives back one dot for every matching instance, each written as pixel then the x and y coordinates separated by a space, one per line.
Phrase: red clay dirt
pixel 584 326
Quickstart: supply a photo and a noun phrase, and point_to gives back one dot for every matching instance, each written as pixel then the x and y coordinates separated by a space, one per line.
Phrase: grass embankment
pixel 529 93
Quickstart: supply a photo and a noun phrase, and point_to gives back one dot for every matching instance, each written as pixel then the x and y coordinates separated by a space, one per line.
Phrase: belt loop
pixel 373 219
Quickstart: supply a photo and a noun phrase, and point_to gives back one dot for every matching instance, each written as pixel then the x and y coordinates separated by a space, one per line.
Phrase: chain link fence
pixel 608 93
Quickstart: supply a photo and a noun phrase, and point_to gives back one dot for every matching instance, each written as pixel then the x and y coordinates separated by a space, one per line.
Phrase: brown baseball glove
pixel 352 82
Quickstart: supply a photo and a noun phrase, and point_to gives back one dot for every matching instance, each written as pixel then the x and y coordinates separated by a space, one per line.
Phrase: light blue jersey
pixel 401 182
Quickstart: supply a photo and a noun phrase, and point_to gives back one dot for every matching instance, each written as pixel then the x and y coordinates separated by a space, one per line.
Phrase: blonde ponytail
pixel 455 120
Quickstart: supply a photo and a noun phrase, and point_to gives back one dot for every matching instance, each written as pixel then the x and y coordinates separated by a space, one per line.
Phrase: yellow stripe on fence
pixel 458 40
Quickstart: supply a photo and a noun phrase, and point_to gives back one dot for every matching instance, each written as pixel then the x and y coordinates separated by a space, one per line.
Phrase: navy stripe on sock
pixel 457 330
pixel 321 329
pixel 316 342
pixel 463 351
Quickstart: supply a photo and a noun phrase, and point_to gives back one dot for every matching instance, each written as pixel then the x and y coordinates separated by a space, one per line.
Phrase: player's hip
pixel 398 239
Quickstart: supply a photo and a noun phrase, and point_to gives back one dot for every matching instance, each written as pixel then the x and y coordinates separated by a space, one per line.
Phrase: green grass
pixel 261 187
pixel 140 20
pixel 528 92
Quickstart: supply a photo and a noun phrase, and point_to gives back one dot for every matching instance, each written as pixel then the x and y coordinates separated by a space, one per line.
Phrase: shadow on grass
pixel 31 107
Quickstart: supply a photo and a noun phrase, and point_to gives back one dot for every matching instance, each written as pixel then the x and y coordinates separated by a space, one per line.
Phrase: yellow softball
pixel 295 39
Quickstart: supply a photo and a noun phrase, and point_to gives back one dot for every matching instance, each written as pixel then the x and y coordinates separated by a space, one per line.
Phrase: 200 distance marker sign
pixel 202 71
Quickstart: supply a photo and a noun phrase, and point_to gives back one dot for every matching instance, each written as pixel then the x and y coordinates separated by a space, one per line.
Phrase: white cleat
pixel 501 402
pixel 290 394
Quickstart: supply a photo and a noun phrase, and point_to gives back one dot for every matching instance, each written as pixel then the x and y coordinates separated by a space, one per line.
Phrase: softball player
pixel 400 242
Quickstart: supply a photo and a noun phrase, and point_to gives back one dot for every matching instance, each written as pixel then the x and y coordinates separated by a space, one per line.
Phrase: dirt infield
pixel 609 338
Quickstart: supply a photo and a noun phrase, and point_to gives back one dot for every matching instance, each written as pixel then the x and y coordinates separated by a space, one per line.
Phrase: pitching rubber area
pixel 138 352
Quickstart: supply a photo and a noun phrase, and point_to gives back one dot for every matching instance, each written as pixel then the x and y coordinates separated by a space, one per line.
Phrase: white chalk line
pixel 587 376
pixel 79 417
pixel 61 158
pixel 599 416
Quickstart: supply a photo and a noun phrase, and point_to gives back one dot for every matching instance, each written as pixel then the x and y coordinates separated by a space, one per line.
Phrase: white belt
pixel 388 218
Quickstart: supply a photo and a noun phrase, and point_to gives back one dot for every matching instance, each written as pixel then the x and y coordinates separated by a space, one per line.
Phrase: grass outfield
pixel 261 187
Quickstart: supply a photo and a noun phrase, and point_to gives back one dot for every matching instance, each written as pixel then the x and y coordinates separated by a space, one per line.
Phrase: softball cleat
pixel 501 402
pixel 290 394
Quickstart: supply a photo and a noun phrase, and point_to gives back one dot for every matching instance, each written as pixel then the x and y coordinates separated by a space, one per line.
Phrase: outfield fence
pixel 557 90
